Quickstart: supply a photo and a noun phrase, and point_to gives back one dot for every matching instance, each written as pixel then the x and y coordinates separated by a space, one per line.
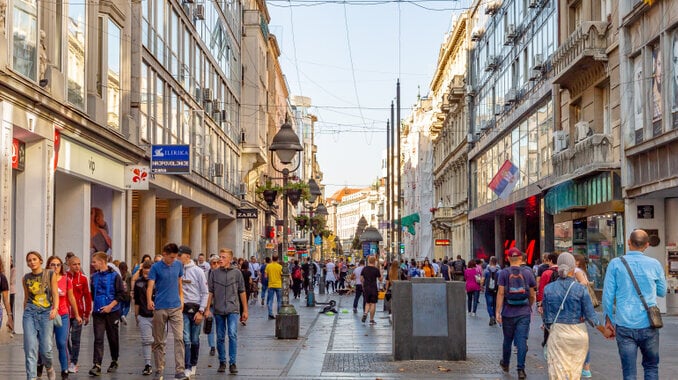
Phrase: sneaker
pixel 113 367
pixel 181 376
pixel 123 320
pixel 243 323
pixel 364 318
pixel 148 370
pixel 158 376
pixel 95 371
pixel 355 310
pixel 232 369
pixel 51 374
pixel 213 351
pixel 193 370
pixel 522 374
pixel 271 316
pixel 187 373
pixel 222 367
pixel 64 375
pixel 503 366
pixel 373 322
pixel 73 368
pixel 586 373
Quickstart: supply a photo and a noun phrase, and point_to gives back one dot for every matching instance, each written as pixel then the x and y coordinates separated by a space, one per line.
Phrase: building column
pixel 228 236
pixel 499 238
pixel 6 219
pixel 195 240
pixel 174 221
pixel 519 228
pixel 547 238
pixel 213 235
pixel 147 200
pixel 118 227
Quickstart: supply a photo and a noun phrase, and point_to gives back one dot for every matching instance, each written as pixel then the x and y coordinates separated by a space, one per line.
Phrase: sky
pixel 347 57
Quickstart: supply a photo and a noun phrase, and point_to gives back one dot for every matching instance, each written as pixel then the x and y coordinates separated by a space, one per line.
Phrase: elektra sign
pixel 170 159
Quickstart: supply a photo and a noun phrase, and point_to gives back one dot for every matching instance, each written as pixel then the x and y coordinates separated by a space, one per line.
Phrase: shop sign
pixel 246 213
pixel 136 177
pixel 170 159
pixel 645 212
pixel 291 251
pixel 442 242
pixel 79 160
pixel 18 154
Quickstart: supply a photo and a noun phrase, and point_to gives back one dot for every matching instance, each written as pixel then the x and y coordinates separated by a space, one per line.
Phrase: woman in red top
pixel 66 302
pixel 474 278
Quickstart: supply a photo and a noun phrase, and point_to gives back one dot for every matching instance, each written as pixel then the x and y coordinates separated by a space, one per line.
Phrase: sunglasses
pixel 55 265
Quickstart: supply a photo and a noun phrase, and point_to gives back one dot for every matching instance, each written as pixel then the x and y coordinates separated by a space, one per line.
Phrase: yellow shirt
pixel 274 275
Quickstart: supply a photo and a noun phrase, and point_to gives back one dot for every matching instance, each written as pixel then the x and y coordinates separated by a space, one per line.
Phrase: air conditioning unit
pixel 510 96
pixel 535 74
pixel 469 90
pixel 218 169
pixel 533 3
pixel 498 109
pixel 492 7
pixel 470 138
pixel 538 62
pixel 492 63
pixel 199 12
pixel 511 34
pixel 207 95
pixel 216 115
pixel 477 34
pixel 583 130
pixel 560 141
pixel 242 189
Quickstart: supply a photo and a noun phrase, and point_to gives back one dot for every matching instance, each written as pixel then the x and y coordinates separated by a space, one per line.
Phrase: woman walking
pixel 66 302
pixel 41 305
pixel 566 304
pixel 474 278
pixel 582 278
pixel 247 277
pixel 127 287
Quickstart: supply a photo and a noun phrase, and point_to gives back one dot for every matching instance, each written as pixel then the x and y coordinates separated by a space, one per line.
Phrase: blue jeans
pixel 472 300
pixel 516 329
pixel 212 335
pixel 38 330
pixel 61 335
pixel 229 321
pixel 269 301
pixel 191 342
pixel 124 308
pixel 491 301
pixel 628 343
pixel 264 291
pixel 74 341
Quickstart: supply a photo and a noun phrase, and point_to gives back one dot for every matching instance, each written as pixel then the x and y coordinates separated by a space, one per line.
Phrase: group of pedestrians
pixel 172 293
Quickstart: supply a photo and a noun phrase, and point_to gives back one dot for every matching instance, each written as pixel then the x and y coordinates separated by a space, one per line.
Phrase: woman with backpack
pixel 297 279
pixel 491 286
pixel 474 279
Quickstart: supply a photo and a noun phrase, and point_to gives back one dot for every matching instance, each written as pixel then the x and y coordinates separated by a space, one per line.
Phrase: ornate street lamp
pixel 285 145
pixel 320 210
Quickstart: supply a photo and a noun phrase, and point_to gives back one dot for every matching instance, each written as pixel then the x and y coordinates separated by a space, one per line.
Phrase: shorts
pixel 371 296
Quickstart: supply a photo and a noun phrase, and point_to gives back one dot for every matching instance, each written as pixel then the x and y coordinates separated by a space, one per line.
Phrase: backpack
pixel 517 293
pixel 492 281
pixel 296 273
pixel 458 266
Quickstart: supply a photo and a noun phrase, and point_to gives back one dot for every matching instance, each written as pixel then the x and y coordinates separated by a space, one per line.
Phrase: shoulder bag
pixel 653 313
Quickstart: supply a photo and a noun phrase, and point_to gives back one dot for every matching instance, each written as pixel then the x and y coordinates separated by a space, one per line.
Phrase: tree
pixel 362 224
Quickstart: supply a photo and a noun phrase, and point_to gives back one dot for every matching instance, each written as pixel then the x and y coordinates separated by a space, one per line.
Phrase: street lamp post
pixel 320 210
pixel 285 145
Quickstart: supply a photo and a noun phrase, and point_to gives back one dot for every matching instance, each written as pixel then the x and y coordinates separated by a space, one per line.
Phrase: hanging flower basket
pixel 269 196
pixel 294 195
pixel 302 221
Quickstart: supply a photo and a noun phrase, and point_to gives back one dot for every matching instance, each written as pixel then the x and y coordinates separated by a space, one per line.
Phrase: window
pixel 25 38
pixel 656 85
pixel 638 97
pixel 75 69
pixel 113 77
pixel 144 106
pixel 674 78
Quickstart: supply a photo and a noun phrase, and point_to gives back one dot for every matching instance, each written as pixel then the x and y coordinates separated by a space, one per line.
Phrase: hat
pixel 185 249
pixel 214 258
pixel 514 252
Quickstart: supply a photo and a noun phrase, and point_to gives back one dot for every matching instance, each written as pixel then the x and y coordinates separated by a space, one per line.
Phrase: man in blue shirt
pixel 629 321
pixel 515 298
pixel 165 278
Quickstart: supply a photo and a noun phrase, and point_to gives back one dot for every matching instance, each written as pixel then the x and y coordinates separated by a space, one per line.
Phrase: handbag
pixel 653 313
pixel 57 321
pixel 207 325
pixel 592 294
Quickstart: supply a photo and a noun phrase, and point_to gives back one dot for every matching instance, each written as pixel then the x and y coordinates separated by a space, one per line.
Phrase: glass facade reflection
pixel 75 71
pixel 25 38
pixel 113 78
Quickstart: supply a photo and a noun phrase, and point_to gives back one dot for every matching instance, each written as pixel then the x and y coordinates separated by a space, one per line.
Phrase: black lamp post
pixel 285 145
pixel 321 210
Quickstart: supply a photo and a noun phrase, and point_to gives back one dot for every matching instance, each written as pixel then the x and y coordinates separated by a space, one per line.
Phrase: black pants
pixel 358 294
pixel 342 280
pixel 109 324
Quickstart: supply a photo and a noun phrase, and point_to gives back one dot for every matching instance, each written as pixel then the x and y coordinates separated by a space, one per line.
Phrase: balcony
pixel 583 53
pixel 594 153
pixel 456 90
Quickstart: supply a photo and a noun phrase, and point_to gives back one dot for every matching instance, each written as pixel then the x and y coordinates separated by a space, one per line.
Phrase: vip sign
pixel 136 177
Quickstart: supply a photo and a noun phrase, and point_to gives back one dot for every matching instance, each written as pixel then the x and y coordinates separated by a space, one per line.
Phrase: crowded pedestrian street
pixel 339 346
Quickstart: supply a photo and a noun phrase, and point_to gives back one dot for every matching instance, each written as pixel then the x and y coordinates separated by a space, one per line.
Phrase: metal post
pixel 286 307
pixel 388 190
pixel 310 297
pixel 398 195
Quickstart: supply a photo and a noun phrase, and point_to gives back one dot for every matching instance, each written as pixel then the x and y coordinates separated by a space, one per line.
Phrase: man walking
pixel 273 274
pixel 515 298
pixel 165 278
pixel 194 286
pixel 369 276
pixel 226 290
pixel 491 283
pixel 459 266
pixel 83 300
pixel 357 272
pixel 629 320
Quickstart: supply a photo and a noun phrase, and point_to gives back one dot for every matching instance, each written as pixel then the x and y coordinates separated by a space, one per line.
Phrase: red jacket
pixel 81 292
pixel 544 280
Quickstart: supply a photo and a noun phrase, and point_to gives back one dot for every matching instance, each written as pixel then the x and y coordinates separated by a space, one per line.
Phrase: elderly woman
pixel 566 304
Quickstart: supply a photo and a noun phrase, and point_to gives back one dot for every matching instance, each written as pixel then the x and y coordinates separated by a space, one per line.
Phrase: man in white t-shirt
pixel 358 285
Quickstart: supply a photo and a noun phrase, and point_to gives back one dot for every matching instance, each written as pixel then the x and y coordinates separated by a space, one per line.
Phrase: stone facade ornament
pixel 3 15
pixel 43 54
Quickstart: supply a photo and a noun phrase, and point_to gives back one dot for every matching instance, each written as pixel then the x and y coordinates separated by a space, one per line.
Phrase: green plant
pixel 303 186
pixel 267 186
pixel 303 222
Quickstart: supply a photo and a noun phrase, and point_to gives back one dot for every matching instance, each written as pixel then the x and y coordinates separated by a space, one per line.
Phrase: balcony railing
pixel 591 154
pixel 585 46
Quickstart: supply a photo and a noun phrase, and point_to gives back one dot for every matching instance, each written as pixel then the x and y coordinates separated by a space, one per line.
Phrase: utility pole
pixel 393 183
pixel 388 192
pixel 398 200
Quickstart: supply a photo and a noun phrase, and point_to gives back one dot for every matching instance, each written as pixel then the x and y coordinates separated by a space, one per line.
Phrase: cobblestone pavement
pixel 340 347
